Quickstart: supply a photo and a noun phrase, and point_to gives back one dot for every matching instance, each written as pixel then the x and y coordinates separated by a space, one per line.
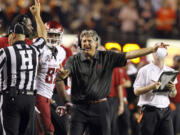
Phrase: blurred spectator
pixel 111 19
pixel 11 8
pixel 82 13
pixel 132 99
pixel 173 4
pixel 96 17
pixel 143 62
pixel 128 17
pixel 64 11
pixel 176 60
pixel 131 68
pixel 45 11
pixel 116 101
pixel 3 21
pixel 107 2
pixel 74 46
pixel 120 116
pixel 177 25
pixel 156 4
pixel 84 7
pixel 146 16
pixel 124 119
pixel 102 15
pixel 165 20
pixel 147 21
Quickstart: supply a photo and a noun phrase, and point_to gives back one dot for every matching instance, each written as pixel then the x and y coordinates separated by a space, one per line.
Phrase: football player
pixel 53 55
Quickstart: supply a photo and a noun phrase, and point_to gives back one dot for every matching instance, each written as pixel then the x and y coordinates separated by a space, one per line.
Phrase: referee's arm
pixel 41 29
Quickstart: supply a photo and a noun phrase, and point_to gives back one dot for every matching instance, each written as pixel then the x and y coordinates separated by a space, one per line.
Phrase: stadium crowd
pixel 114 20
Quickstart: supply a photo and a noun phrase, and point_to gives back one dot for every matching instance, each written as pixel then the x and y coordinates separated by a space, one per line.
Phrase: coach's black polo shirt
pixel 91 80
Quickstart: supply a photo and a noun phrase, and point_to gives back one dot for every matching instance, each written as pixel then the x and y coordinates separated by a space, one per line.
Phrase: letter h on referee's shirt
pixel 26 59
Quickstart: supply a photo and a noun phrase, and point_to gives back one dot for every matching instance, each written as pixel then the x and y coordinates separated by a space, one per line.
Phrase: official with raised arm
pixel 18 65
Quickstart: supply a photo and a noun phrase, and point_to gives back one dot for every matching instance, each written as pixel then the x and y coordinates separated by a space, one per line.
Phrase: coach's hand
pixel 35 9
pixel 159 45
pixel 62 74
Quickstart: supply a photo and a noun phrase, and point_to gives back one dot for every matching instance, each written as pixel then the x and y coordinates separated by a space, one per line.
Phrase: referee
pixel 18 65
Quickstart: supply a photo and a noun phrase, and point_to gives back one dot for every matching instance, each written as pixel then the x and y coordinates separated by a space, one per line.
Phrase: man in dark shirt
pixel 91 73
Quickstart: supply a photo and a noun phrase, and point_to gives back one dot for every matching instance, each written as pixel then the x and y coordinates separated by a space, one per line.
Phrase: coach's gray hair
pixel 90 33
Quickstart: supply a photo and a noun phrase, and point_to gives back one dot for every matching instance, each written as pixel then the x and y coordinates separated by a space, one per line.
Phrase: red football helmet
pixel 55 32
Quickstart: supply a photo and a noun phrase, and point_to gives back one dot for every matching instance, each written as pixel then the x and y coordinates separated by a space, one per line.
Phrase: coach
pixel 18 64
pixel 91 73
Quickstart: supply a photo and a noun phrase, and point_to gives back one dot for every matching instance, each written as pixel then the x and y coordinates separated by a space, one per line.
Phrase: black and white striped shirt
pixel 18 64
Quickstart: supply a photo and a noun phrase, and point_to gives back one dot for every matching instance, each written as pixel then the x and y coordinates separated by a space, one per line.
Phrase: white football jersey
pixel 48 68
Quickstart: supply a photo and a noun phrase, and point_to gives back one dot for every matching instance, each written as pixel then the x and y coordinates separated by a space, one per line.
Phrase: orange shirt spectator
pixel 165 18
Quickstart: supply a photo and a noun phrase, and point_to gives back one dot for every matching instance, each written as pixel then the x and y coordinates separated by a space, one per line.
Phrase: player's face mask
pixel 54 39
pixel 161 53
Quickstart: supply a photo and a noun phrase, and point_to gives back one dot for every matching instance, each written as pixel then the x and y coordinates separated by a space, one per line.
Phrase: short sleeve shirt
pixel 91 80
pixel 146 76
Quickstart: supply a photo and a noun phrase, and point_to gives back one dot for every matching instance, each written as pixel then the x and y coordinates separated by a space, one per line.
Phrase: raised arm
pixel 139 53
pixel 144 51
pixel 41 29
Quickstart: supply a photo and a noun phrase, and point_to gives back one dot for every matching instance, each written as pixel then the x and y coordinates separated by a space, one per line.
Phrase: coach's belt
pixel 86 102
pixel 98 101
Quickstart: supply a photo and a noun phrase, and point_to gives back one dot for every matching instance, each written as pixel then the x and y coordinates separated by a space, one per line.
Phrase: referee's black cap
pixel 19 25
pixel 16 28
